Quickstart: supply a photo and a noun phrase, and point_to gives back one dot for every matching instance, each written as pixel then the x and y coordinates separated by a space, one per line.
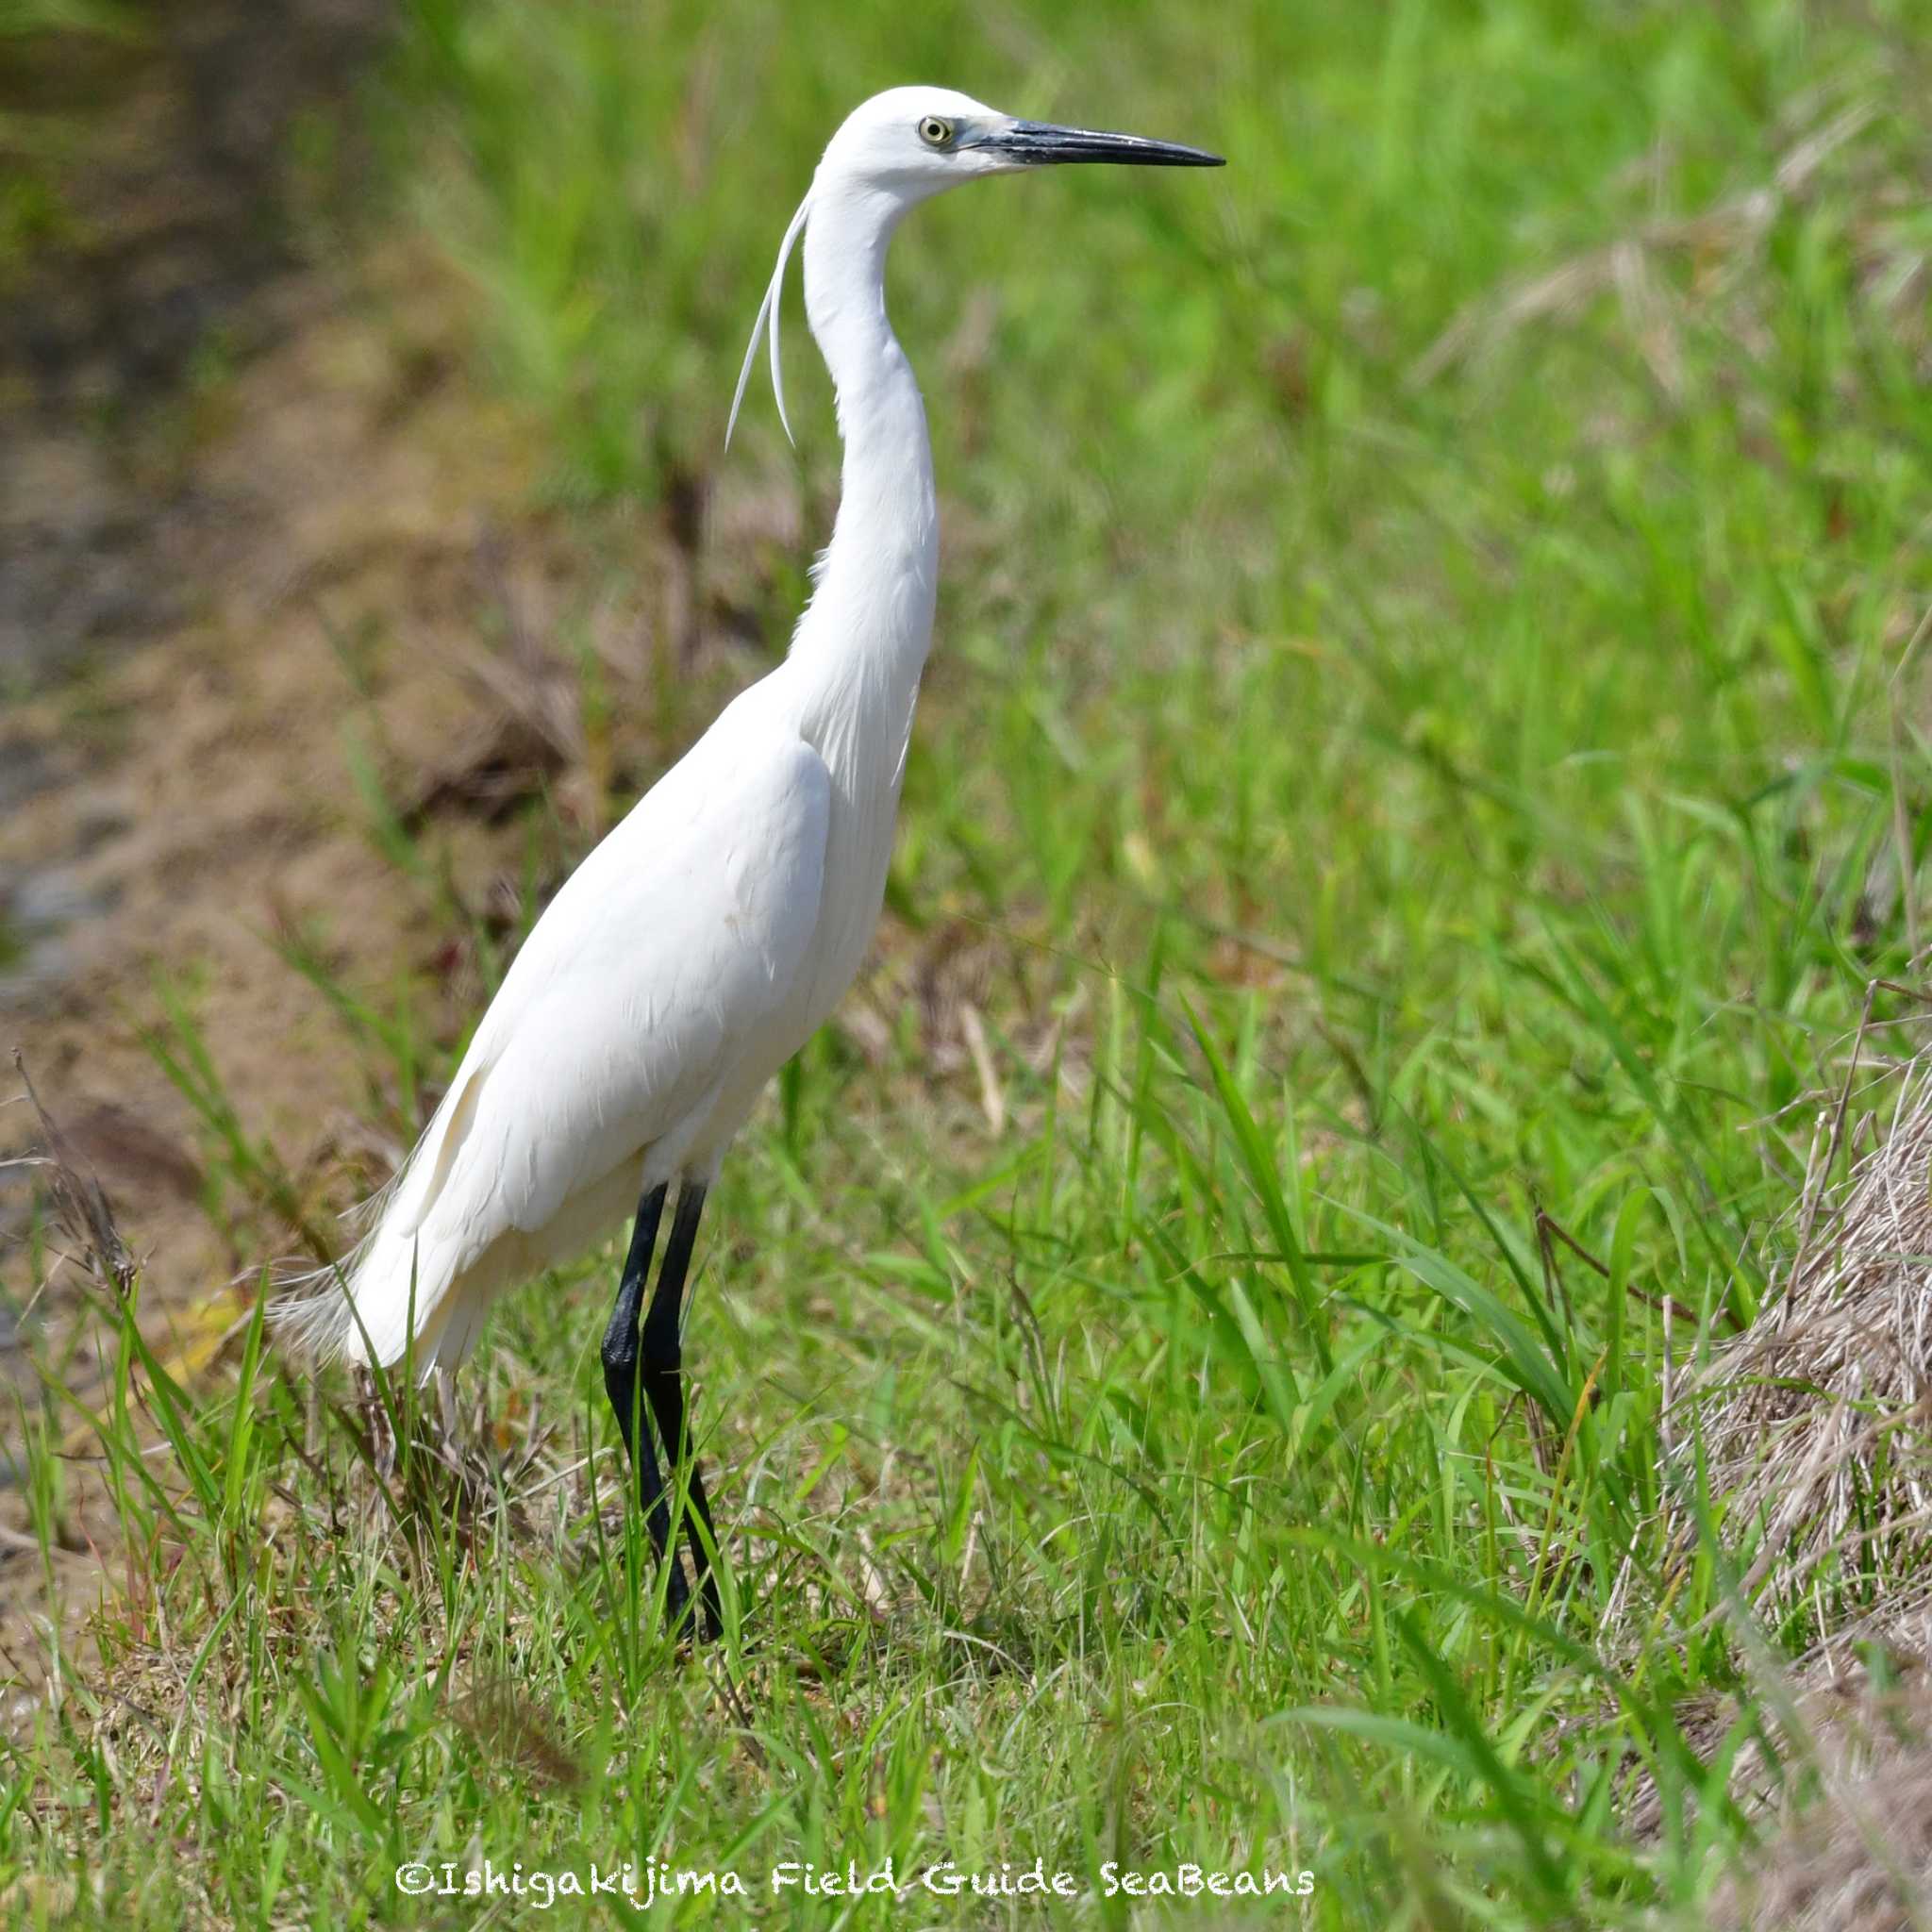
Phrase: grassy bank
pixel 1419 768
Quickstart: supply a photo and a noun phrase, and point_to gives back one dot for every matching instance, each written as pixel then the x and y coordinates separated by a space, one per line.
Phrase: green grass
pixel 1370 813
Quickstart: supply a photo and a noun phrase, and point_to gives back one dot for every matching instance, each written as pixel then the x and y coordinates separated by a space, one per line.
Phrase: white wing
pixel 629 1003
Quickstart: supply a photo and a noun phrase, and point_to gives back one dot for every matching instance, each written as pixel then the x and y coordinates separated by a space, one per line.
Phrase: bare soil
pixel 242 515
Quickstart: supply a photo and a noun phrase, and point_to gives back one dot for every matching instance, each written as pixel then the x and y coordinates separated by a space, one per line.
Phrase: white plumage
pixel 689 931
pixel 698 946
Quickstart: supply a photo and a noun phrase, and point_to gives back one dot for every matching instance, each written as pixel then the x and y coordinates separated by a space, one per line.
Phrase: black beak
pixel 1036 144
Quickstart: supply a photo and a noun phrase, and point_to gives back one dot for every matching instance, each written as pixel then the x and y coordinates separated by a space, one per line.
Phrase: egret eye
pixel 935 132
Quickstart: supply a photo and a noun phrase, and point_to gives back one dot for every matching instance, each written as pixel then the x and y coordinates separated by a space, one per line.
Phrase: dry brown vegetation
pixel 1813 1428
pixel 1851 1848
pixel 1814 1421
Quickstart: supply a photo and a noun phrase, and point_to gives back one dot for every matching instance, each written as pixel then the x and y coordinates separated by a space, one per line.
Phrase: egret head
pixel 913 142
pixel 910 142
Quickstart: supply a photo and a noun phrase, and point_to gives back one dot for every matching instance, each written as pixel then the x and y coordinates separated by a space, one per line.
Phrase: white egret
pixel 699 946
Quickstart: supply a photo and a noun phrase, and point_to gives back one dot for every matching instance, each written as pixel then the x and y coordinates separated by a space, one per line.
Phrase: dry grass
pixel 1853 1850
pixel 1814 1420
pixel 1716 250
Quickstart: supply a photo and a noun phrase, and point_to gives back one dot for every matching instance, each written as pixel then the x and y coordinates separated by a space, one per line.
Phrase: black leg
pixel 663 1379
pixel 624 1387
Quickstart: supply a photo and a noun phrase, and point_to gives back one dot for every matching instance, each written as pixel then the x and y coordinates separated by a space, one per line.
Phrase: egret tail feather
pixel 369 1303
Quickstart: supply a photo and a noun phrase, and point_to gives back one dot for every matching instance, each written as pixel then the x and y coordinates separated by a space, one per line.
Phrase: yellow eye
pixel 935 132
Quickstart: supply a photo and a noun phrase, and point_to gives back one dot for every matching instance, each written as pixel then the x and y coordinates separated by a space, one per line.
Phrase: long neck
pixel 863 641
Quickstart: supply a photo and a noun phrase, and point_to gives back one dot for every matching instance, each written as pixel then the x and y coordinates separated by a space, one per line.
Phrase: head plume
pixel 768 312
